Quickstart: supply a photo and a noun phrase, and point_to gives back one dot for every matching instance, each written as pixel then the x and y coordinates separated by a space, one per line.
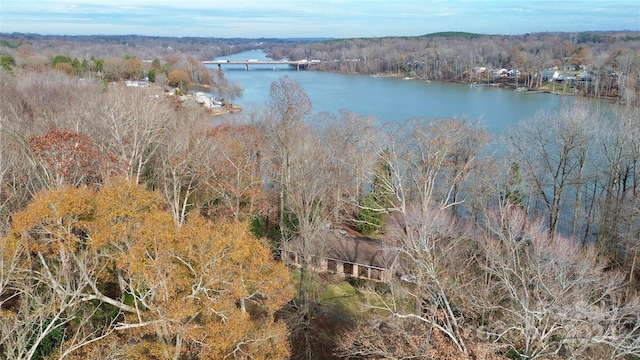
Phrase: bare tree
pixel 549 296
pixel 469 140
pixel 618 187
pixel 232 174
pixel 419 315
pixel 308 204
pixel 353 142
pixel 133 126
pixel 34 102
pixel 553 151
pixel 395 338
pixel 288 108
pixel 179 162
pixel 14 191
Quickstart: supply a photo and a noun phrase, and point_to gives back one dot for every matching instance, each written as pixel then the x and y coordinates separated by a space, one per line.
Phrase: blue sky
pixel 319 18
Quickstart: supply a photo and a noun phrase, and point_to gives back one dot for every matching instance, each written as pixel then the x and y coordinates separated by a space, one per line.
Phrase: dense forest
pixel 135 224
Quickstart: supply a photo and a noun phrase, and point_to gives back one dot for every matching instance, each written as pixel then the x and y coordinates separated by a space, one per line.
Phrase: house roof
pixel 548 72
pixel 566 76
pixel 348 246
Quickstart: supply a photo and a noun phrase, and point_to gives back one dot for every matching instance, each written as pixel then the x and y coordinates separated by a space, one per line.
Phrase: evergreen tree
pixel 375 206
pixel 513 189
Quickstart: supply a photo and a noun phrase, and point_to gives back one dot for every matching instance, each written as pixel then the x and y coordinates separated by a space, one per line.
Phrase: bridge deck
pixel 259 62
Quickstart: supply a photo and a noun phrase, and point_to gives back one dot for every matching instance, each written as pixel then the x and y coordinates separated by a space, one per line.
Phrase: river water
pixel 389 99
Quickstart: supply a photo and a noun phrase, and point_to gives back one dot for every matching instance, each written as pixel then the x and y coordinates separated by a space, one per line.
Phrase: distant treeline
pixel 600 63
pixel 608 62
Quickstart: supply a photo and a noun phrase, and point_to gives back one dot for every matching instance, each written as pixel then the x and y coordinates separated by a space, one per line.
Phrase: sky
pixel 319 18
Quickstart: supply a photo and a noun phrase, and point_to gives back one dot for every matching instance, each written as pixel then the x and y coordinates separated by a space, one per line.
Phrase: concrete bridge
pixel 299 64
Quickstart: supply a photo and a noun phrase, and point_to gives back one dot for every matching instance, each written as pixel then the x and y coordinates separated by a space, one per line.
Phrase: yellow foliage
pixel 215 286
pixel 54 218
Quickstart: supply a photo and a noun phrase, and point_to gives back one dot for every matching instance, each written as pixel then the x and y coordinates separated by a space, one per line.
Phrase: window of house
pixel 332 265
pixel 348 269
pixel 376 274
pixel 363 271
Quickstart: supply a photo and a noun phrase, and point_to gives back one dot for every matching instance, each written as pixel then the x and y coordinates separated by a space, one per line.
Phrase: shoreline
pixel 511 87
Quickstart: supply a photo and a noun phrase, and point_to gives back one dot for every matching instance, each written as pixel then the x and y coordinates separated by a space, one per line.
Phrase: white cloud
pixel 336 18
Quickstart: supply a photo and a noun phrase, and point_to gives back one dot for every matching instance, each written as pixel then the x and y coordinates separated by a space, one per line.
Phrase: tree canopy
pixel 105 263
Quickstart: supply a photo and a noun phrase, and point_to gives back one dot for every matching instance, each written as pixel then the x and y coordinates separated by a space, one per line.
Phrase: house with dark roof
pixel 566 76
pixel 585 76
pixel 549 74
pixel 344 252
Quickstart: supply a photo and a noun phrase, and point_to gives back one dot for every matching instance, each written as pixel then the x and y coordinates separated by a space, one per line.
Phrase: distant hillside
pixel 601 37
pixel 454 34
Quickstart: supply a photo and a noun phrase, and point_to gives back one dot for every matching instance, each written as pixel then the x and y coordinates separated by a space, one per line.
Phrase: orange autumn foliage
pixel 66 157
pixel 204 290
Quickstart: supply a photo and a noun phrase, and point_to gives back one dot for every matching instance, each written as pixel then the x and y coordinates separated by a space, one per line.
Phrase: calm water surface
pixel 390 99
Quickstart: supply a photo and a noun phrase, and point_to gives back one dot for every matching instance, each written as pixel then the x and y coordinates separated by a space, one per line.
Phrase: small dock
pixel 480 85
